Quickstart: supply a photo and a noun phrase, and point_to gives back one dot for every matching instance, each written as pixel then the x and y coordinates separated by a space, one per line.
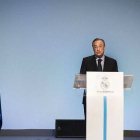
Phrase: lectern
pixel 105 103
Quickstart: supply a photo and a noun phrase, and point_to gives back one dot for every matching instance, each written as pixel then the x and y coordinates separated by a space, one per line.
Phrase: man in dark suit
pixel 97 62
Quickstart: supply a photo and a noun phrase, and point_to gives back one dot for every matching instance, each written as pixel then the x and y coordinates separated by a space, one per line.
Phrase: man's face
pixel 99 48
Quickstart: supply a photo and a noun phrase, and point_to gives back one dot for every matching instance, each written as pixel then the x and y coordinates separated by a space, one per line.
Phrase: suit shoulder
pixel 110 59
pixel 89 57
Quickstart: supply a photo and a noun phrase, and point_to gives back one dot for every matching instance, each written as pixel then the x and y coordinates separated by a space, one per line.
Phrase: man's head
pixel 98 47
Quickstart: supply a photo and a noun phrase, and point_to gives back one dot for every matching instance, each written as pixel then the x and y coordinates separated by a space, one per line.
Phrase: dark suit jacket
pixel 89 64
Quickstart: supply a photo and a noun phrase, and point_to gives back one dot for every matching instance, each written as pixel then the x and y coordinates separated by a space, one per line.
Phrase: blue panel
pixel 105 119
pixel 42 43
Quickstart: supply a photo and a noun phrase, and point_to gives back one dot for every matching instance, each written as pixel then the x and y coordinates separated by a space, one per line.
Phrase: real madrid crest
pixel 104 83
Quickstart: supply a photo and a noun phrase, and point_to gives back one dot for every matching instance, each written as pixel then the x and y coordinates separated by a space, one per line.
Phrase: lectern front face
pixel 105 106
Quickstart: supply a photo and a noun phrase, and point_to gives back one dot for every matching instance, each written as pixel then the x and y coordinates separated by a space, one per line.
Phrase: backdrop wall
pixel 42 43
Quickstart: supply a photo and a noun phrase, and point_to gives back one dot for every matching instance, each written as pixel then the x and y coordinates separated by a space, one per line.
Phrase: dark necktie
pixel 99 65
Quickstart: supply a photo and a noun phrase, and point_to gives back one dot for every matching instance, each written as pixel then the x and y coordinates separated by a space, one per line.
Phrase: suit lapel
pixel 106 64
pixel 93 64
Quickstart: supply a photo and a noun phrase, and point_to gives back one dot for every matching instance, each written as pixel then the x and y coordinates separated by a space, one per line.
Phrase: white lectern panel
pixel 104 106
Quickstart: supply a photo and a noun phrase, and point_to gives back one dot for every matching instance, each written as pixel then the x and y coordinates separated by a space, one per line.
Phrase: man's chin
pixel 99 56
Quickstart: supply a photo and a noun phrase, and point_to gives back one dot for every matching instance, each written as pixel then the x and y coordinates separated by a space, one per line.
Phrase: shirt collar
pixel 103 57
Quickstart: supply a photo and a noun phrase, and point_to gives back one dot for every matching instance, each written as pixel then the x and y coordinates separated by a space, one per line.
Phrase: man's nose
pixel 98 48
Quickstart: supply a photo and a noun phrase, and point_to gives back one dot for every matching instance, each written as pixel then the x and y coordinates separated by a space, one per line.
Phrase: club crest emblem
pixel 104 83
